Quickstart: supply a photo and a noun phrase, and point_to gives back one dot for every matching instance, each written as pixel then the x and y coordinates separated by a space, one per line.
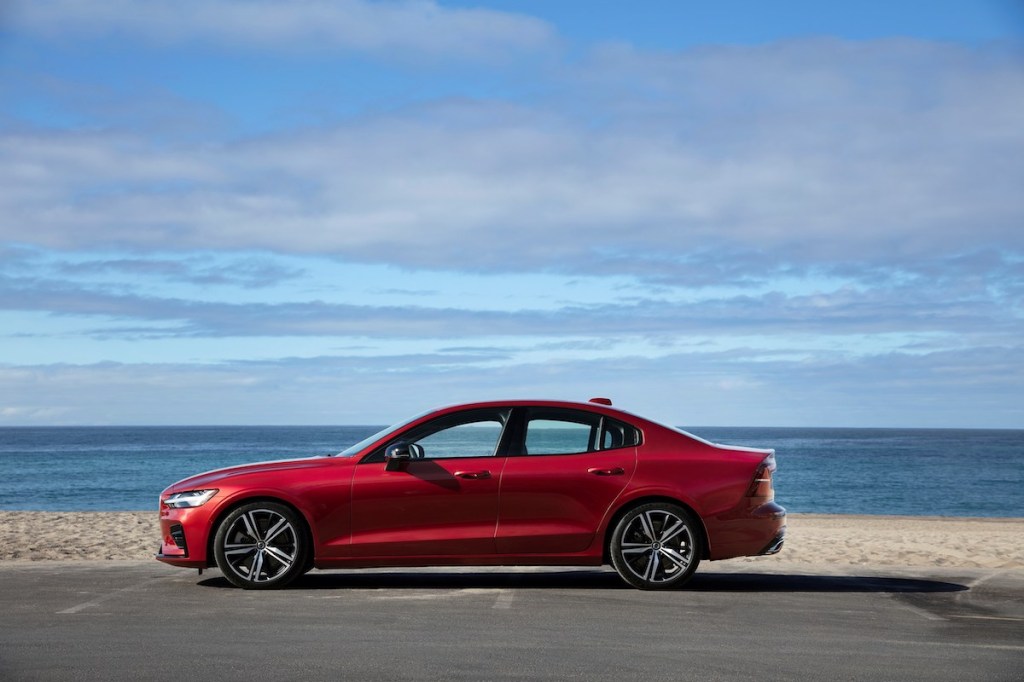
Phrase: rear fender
pixel 635 498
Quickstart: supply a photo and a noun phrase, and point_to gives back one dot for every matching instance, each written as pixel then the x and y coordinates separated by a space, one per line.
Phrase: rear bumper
pixel 775 546
pixel 755 531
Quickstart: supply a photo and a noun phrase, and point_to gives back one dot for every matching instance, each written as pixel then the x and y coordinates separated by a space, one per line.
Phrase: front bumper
pixel 183 537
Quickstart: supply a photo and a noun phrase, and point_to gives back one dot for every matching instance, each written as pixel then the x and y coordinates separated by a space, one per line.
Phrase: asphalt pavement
pixel 148 621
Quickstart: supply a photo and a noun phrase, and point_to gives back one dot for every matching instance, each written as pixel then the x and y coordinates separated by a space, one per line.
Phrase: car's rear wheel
pixel 656 546
pixel 261 546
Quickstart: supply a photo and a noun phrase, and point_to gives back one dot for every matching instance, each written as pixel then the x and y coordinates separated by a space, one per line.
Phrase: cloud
pixel 977 387
pixel 945 305
pixel 149 107
pixel 828 229
pixel 716 164
pixel 33 269
pixel 248 273
pixel 406 27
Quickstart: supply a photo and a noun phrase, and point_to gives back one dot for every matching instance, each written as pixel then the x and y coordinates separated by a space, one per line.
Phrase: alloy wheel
pixel 654 546
pixel 259 546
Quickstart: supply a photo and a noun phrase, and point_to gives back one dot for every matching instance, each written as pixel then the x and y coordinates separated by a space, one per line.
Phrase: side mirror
pixel 398 456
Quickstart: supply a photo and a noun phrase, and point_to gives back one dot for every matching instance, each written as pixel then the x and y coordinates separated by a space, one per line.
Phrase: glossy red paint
pixel 496 483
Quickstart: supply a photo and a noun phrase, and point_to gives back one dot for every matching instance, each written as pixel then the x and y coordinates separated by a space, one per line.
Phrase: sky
pixel 729 213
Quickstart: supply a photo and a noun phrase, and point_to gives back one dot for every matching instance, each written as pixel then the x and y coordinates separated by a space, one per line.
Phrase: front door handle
pixel 615 471
pixel 475 475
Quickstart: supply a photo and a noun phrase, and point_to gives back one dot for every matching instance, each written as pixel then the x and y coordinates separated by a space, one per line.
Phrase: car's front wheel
pixel 261 546
pixel 656 546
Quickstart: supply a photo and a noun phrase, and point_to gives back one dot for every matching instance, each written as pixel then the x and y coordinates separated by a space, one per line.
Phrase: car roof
pixel 588 406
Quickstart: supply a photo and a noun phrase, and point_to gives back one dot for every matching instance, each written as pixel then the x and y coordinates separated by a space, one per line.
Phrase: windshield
pixel 353 450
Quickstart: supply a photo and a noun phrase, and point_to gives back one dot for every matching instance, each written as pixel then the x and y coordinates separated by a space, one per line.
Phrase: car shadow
pixel 776 582
pixel 601 580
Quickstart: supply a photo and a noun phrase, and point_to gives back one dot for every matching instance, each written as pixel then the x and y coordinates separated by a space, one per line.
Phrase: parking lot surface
pixel 147 621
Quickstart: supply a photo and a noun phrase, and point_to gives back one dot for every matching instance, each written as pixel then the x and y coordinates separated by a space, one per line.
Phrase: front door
pixel 444 504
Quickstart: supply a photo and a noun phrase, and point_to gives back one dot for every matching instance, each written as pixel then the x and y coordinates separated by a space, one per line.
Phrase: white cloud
pixel 925 390
pixel 888 172
pixel 808 154
pixel 404 26
pixel 935 306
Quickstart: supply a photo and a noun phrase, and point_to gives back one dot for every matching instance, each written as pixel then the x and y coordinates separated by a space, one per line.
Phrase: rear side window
pixel 554 436
pixel 553 431
pixel 615 434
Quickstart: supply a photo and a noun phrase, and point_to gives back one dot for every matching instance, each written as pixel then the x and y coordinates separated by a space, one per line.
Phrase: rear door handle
pixel 475 475
pixel 597 471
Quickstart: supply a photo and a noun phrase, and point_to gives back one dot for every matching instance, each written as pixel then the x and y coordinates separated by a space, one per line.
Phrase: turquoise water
pixel 842 471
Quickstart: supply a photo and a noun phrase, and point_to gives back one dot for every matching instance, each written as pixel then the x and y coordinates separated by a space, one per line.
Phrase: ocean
pixel 917 472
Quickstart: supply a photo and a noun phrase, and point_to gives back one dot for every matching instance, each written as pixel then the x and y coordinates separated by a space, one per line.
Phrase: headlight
pixel 190 498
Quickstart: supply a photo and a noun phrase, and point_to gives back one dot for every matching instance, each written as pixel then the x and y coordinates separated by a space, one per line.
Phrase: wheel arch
pixel 606 541
pixel 307 527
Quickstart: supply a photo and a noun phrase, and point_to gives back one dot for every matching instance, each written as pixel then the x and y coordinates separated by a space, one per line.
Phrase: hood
pixel 211 479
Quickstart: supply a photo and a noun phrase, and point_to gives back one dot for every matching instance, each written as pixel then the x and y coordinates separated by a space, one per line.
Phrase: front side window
pixel 355 449
pixel 475 433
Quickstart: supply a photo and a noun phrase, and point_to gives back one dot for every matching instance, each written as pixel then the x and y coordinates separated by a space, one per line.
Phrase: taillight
pixel 761 486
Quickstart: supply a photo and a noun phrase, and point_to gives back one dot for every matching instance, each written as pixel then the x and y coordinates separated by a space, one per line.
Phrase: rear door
pixel 557 486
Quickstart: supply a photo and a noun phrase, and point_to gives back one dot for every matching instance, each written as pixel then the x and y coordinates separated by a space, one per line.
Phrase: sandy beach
pixel 813 539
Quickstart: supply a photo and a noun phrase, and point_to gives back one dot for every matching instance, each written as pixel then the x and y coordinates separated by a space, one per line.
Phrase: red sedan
pixel 495 483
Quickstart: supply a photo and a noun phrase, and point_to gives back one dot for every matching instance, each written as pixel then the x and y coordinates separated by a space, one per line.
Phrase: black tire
pixel 262 546
pixel 656 546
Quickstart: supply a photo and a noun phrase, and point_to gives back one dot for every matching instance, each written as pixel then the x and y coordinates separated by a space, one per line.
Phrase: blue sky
pixel 729 213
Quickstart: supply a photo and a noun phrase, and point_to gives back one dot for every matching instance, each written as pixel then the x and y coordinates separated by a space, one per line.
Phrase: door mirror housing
pixel 398 455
